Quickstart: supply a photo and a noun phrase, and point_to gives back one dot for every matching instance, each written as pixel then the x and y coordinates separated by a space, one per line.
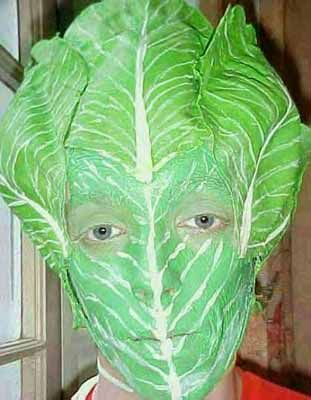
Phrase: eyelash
pixel 116 231
pixel 218 224
pixel 90 233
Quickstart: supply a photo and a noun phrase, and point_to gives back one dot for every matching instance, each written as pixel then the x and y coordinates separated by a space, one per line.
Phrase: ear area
pixel 32 157
pixel 257 139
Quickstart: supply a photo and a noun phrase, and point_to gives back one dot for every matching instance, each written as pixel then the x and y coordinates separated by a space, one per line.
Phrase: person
pixel 155 162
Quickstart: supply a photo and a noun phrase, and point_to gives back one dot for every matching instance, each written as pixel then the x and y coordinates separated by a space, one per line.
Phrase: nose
pixel 167 295
pixel 140 294
pixel 143 295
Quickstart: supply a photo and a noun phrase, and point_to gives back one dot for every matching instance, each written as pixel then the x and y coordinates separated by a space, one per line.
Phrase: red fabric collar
pixel 256 388
pixel 90 395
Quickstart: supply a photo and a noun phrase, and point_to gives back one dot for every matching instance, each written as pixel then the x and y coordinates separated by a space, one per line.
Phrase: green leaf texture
pixel 165 346
pixel 137 106
pixel 139 103
pixel 258 138
pixel 32 159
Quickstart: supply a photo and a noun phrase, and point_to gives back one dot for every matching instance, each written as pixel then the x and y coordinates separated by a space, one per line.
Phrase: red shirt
pixel 90 395
pixel 256 388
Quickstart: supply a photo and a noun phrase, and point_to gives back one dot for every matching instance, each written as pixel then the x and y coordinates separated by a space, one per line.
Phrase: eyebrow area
pixel 93 212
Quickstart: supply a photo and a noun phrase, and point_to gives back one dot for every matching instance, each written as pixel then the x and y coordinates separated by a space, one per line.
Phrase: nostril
pixel 167 296
pixel 170 291
pixel 140 294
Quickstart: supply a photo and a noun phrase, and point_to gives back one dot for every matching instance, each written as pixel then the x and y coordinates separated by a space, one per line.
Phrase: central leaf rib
pixel 143 142
pixel 144 168
pixel 158 313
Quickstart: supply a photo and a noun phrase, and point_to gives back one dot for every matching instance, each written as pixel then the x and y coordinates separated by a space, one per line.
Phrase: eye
pixel 104 232
pixel 203 222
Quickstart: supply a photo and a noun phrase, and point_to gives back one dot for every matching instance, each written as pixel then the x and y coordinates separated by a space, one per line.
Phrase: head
pixel 155 162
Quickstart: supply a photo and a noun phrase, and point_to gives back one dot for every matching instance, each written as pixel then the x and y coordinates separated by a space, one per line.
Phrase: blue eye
pixel 202 222
pixel 104 232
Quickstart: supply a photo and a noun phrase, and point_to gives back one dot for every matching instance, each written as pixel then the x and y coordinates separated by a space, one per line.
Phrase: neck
pixel 111 386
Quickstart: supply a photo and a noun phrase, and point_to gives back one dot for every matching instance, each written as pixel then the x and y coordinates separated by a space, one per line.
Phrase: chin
pixel 185 366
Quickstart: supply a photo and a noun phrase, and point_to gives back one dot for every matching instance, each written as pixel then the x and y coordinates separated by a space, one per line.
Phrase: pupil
pixel 204 219
pixel 102 232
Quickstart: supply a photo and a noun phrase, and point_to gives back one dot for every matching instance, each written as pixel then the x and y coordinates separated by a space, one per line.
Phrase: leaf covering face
pixel 155 162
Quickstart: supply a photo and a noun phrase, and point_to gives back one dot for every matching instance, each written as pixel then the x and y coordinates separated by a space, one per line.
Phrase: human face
pixel 165 300
pixel 156 271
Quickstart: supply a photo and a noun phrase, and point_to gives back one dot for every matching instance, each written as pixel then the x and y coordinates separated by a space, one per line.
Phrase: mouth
pixel 170 336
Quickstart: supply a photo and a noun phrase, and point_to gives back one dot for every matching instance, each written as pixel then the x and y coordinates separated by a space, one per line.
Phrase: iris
pixel 204 221
pixel 102 232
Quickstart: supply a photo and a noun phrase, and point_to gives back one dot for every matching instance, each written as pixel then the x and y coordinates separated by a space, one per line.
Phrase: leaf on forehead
pixel 137 108
pixel 32 159
pixel 258 140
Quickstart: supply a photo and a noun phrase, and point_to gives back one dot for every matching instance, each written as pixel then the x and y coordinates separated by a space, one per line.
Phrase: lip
pixel 153 339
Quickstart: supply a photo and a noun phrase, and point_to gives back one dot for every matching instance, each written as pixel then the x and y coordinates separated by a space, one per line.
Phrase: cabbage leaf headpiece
pixel 155 162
